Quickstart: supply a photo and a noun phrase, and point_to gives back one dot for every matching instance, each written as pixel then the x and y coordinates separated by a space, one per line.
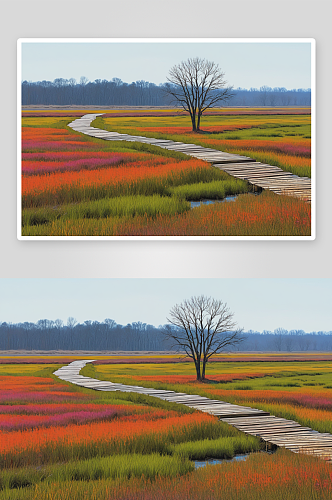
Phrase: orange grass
pixel 141 170
pixel 150 432
pixel 282 476
pixel 30 384
pixel 263 215
pixel 266 214
pixel 93 184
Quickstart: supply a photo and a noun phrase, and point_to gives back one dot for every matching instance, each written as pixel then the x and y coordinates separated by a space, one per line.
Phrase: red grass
pixel 26 388
pixel 15 422
pixel 38 168
pixel 45 138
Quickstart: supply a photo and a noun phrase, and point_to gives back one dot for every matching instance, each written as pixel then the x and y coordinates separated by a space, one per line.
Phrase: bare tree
pixel 197 84
pixel 71 322
pixel 278 339
pixel 203 327
pixel 263 94
pixel 58 323
pixel 110 323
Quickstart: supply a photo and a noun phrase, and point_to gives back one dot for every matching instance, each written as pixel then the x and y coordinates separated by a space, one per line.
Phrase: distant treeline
pixel 110 336
pixel 115 92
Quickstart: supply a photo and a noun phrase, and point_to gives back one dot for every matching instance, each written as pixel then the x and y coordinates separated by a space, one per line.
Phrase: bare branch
pixel 197 84
pixel 202 327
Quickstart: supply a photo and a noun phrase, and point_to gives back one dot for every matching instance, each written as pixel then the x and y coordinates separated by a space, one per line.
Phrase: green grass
pixel 268 131
pixel 225 447
pixel 272 159
pixel 125 206
pixel 111 467
pixel 216 190
pixel 280 476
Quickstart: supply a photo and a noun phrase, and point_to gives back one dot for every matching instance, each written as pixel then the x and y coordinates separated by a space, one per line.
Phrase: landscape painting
pixel 166 138
pixel 103 398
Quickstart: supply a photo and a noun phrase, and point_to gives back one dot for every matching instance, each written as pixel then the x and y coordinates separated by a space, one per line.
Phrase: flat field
pixel 76 185
pixel 59 441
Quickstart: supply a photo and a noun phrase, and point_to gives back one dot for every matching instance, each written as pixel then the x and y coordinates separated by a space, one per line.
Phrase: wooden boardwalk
pixel 273 430
pixel 243 167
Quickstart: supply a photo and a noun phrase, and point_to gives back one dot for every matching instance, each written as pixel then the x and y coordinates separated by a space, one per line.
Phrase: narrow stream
pixel 233 197
pixel 215 461
pixel 210 202
pixel 237 458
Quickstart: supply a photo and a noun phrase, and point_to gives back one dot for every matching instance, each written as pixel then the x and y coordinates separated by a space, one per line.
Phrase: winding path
pixel 273 430
pixel 243 167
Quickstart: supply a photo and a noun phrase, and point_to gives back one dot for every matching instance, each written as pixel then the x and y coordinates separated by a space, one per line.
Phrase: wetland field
pixel 61 441
pixel 76 185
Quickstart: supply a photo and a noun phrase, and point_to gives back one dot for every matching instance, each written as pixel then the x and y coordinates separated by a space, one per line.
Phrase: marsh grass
pixel 157 466
pixel 176 462
pixel 111 467
pixel 64 205
pixel 264 215
pixel 280 476
pixel 155 440
pixel 225 447
pixel 146 186
pixel 284 162
pixel 215 190
pixel 125 206
pixel 256 128
pixel 291 390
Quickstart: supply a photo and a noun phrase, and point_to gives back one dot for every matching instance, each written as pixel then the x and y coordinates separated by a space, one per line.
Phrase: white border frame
pixel 312 41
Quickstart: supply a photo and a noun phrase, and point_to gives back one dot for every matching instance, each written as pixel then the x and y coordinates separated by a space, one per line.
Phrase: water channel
pixel 237 458
pixel 195 204
pixel 233 197
pixel 215 461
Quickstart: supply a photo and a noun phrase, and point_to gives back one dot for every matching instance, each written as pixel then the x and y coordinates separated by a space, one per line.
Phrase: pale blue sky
pixel 257 304
pixel 245 64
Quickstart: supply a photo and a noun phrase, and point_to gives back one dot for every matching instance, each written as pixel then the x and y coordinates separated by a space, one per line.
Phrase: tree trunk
pixel 198 369
pixel 198 121
pixel 203 368
pixel 193 122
